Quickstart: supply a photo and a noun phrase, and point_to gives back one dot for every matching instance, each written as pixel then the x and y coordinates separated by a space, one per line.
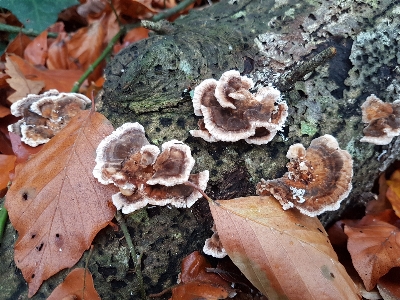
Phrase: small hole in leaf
pixel 33 276
pixel 39 248
pixel 332 275
pixel 57 235
pixel 25 196
pixel 33 236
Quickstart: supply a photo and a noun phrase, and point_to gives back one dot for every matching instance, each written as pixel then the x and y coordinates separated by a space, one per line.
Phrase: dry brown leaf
pixel 85 46
pixel 57 57
pixel 374 246
pixel 78 284
pixel 197 283
pixel 17 46
pixel 36 52
pixel 4 111
pixel 19 82
pixel 393 192
pixel 6 165
pixel 56 204
pixel 285 254
pixel 389 285
pixel 61 80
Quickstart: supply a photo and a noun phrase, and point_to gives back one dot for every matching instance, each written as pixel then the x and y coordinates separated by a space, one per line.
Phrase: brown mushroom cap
pixel 178 195
pixel 45 115
pixel 383 120
pixel 233 113
pixel 213 246
pixel 173 165
pixel 318 178
pixel 231 88
pixel 123 145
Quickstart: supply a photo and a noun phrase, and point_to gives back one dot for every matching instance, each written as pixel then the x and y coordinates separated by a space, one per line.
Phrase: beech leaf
pixel 393 192
pixel 374 247
pixel 7 163
pixel 55 203
pixel 77 285
pixel 285 254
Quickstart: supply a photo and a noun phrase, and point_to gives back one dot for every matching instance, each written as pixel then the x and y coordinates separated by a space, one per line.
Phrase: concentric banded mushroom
pixel 318 178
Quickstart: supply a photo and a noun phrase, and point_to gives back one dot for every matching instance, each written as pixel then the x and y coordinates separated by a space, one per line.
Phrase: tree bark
pixel 148 82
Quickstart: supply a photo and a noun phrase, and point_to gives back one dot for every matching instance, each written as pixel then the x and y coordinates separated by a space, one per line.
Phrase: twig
pixel 27 31
pixel 285 81
pixel 163 292
pixel 84 273
pixel 3 221
pixel 163 15
pixel 132 250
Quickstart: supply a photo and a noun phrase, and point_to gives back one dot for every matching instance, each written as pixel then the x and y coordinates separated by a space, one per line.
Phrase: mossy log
pixel 149 82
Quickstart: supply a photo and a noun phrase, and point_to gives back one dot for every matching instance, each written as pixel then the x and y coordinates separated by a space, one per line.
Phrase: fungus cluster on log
pixel 143 174
pixel 383 120
pixel 231 112
pixel 43 116
pixel 318 178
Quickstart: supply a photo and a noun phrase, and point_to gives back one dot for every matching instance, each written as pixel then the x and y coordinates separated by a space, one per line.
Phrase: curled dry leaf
pixel 374 246
pixel 77 285
pixel 285 254
pixel 197 283
pixel 55 203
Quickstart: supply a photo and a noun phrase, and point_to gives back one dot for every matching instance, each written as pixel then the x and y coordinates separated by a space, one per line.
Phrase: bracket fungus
pixel 318 178
pixel 43 116
pixel 383 120
pixel 143 174
pixel 213 246
pixel 231 112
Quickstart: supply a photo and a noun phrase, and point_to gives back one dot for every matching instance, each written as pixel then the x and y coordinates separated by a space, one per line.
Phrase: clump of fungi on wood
pixel 382 119
pixel 43 116
pixel 231 112
pixel 143 174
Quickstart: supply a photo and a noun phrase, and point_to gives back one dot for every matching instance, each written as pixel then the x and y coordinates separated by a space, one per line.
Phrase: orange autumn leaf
pixel 56 204
pixel 197 283
pixel 36 52
pixel 4 111
pixel 393 192
pixel 19 82
pixel 374 246
pixel 85 46
pixel 17 46
pixel 61 80
pixel 132 36
pixel 285 254
pixel 57 56
pixel 6 165
pixel 78 285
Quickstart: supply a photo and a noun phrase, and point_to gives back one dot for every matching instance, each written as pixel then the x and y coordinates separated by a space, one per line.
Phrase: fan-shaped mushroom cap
pixel 45 115
pixel 230 87
pixel 213 246
pixel 127 144
pixel 173 165
pixel 204 92
pixel 234 113
pixel 383 120
pixel 318 178
pixel 178 195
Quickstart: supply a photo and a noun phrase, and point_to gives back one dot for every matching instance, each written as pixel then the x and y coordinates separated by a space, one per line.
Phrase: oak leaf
pixel 285 254
pixel 374 246
pixel 77 285
pixel 55 203
pixel 61 80
pixel 19 82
